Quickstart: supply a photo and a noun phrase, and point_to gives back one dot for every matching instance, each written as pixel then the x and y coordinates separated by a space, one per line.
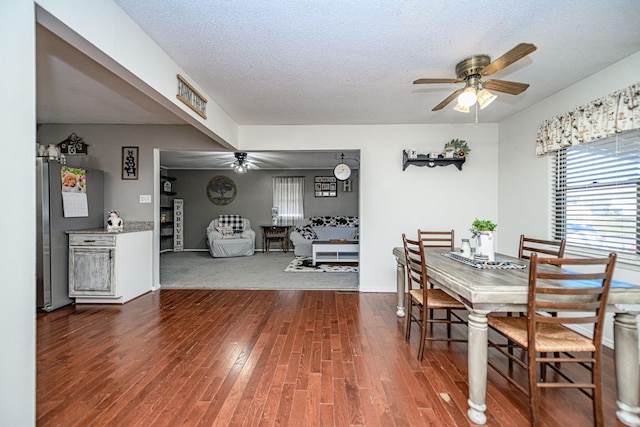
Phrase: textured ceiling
pixel 353 62
pixel 340 62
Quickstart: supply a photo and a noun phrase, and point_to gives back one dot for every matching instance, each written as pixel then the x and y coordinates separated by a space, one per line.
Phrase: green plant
pixel 457 145
pixel 483 225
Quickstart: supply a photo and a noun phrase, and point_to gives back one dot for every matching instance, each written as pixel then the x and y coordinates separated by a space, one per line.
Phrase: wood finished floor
pixel 266 358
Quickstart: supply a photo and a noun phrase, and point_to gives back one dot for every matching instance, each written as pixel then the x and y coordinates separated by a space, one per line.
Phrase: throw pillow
pixel 226 231
pixel 234 221
pixel 307 232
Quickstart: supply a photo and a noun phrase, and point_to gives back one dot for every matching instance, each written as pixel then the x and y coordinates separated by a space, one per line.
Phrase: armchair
pixel 230 236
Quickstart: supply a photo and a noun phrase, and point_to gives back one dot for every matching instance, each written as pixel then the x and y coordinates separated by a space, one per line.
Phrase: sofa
pixel 323 228
pixel 230 236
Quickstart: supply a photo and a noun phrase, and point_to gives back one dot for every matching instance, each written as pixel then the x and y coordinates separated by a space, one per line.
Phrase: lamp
pixel 472 93
pixel 241 165
pixel 468 97
pixel 461 108
pixel 485 98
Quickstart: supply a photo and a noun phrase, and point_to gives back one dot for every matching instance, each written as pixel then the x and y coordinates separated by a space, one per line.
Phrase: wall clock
pixel 221 190
pixel 342 171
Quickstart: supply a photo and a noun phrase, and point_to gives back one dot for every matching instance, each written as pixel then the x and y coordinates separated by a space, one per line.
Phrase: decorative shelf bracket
pixel 424 160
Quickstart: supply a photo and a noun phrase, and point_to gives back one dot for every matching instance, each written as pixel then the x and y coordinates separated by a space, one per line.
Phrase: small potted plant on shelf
pixel 482 230
pixel 456 148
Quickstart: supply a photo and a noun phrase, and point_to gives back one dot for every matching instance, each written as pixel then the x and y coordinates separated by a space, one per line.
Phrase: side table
pixel 275 233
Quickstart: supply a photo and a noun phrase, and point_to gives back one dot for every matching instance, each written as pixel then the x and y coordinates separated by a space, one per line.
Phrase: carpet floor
pixel 198 270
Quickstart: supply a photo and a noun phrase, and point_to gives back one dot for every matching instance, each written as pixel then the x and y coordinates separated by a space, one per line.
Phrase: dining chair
pixel 577 298
pixel 422 298
pixel 529 245
pixel 437 239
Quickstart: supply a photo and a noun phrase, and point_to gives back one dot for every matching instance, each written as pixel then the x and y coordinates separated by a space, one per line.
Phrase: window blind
pixel 596 194
pixel 288 197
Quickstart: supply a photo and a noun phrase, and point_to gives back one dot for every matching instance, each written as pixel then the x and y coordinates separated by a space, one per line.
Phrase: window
pixel 596 195
pixel 288 197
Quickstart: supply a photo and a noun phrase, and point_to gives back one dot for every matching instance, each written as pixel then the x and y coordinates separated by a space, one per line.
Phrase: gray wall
pixel 253 201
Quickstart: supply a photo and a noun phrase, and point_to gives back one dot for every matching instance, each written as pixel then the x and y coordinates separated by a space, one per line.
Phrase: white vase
pixel 485 245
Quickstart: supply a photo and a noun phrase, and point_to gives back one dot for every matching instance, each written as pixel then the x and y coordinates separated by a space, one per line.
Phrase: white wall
pixel 393 201
pixel 103 32
pixel 17 253
pixel 524 185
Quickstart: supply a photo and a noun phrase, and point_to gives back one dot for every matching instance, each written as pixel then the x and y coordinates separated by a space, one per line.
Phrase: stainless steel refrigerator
pixel 52 243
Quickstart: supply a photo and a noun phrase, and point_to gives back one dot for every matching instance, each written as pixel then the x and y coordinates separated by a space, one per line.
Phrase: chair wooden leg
pixel 596 376
pixel 543 369
pixel 423 333
pixel 407 317
pixel 533 390
pixel 449 324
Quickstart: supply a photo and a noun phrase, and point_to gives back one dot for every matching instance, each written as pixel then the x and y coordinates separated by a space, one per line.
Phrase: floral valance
pixel 599 119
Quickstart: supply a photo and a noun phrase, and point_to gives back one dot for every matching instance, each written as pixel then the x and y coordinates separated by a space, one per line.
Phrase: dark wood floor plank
pixel 267 358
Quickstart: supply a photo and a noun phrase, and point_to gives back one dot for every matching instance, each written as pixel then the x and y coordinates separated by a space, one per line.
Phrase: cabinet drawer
pixel 92 240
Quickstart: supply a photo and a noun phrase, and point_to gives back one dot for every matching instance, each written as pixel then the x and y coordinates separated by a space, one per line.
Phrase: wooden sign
pixel 178 225
pixel 191 97
pixel 73 145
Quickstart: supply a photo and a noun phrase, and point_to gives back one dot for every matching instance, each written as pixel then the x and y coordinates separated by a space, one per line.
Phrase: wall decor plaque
pixel 325 186
pixel 221 190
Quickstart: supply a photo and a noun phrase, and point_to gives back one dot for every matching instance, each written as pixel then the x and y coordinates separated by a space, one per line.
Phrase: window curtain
pixel 288 197
pixel 604 117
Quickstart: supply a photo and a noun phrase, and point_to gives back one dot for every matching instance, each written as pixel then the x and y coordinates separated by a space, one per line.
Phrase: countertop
pixel 129 227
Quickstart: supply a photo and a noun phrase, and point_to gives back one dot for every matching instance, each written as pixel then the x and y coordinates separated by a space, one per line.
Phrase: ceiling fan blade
pixel 512 88
pixel 429 81
pixel 447 100
pixel 515 54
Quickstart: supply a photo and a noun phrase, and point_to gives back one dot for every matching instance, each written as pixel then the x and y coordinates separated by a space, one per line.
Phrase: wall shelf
pixel 424 160
pixel 167 212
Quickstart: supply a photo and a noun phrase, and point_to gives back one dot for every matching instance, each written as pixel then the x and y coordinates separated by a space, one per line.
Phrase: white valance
pixel 598 119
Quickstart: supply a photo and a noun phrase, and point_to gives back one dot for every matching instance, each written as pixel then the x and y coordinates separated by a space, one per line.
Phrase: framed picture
pixel 130 163
pixel 325 186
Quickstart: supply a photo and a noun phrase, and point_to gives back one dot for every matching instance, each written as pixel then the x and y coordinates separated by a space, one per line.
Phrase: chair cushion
pixel 437 298
pixel 226 231
pixel 550 338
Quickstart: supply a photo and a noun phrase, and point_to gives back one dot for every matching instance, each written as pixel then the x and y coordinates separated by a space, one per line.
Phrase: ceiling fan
pixel 241 164
pixel 471 72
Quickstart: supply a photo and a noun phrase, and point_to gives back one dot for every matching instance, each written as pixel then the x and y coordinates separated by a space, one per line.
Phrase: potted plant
pixel 482 230
pixel 456 148
pixel 483 225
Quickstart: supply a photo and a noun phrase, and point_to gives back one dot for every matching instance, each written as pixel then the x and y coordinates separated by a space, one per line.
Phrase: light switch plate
pixel 145 198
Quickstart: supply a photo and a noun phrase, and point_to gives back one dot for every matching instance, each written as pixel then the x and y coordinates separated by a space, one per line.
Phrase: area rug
pixel 304 264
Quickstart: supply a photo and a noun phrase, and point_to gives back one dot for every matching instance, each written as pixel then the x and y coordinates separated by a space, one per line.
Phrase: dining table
pixel 495 289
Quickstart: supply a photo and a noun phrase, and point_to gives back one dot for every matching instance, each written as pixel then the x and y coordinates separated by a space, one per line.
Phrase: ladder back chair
pixel 421 298
pixel 578 298
pixel 437 239
pixel 529 245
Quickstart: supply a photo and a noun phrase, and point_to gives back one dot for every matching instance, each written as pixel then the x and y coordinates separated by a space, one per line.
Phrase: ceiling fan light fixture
pixel 461 108
pixel 241 165
pixel 468 97
pixel 485 98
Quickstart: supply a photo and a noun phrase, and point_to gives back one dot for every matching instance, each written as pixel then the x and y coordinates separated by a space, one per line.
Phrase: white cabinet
pixel 109 268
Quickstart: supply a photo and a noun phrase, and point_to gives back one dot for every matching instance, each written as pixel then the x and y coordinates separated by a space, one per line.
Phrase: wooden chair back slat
pixel 529 245
pixel 437 239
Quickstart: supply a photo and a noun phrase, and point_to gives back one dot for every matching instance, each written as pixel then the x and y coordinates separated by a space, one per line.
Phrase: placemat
pixel 498 263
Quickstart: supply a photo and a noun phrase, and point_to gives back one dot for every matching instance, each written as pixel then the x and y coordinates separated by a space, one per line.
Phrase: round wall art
pixel 221 190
